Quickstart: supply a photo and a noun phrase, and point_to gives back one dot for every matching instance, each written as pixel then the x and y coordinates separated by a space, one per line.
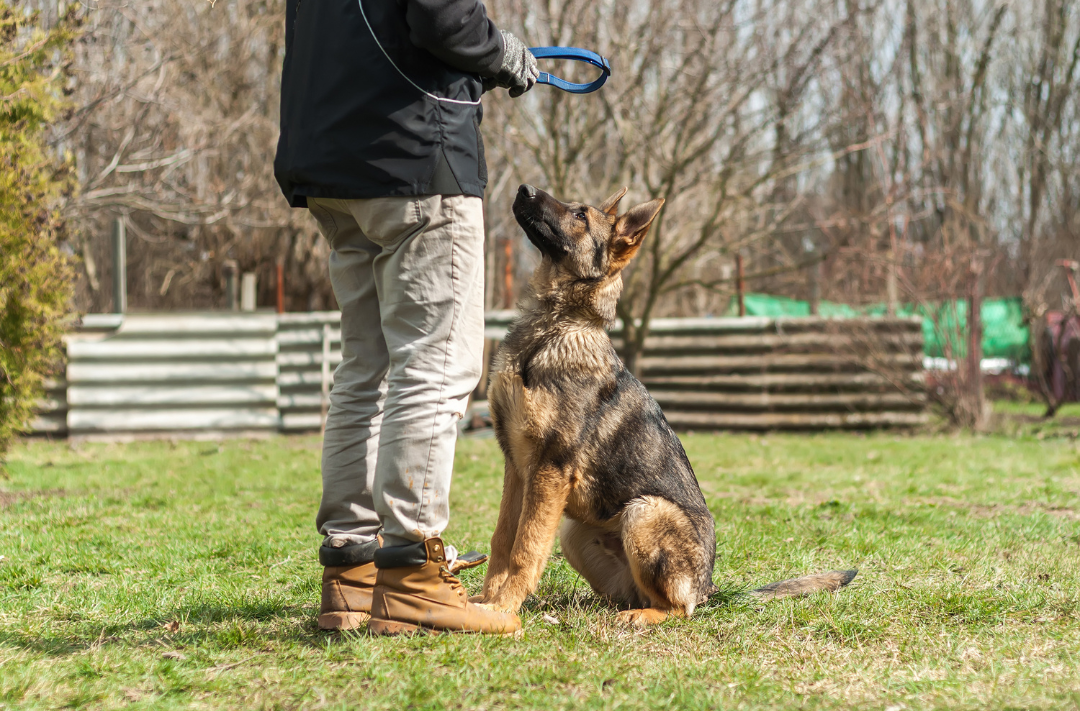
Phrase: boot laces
pixel 450 555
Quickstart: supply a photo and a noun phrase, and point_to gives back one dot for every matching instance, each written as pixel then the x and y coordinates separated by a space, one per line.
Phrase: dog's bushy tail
pixel 794 587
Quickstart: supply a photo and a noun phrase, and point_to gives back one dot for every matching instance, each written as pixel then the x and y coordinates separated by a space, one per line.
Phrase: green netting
pixel 1004 333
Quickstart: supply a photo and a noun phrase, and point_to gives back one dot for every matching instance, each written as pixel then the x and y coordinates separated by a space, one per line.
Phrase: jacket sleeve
pixel 458 32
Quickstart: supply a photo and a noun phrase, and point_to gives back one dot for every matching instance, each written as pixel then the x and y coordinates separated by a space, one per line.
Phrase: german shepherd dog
pixel 583 438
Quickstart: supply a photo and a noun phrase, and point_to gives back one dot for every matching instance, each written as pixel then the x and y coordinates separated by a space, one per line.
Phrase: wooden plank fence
pixel 760 373
pixel 262 372
pixel 309 348
pixel 173 372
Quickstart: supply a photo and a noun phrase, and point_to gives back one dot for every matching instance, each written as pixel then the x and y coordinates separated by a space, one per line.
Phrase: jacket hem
pixel 300 194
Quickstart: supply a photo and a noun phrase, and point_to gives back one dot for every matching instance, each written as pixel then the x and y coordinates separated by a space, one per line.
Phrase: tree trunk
pixel 976 403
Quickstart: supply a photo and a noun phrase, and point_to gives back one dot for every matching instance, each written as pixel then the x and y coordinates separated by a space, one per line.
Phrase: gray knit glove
pixel 518 72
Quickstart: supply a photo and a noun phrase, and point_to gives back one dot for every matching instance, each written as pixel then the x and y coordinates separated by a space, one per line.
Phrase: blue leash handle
pixel 579 55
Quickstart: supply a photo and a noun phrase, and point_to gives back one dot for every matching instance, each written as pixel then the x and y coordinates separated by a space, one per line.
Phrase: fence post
pixel 325 373
pixel 890 285
pixel 739 283
pixel 508 274
pixel 813 278
pixel 229 269
pixel 119 266
pixel 247 292
pixel 815 287
pixel 974 349
pixel 280 287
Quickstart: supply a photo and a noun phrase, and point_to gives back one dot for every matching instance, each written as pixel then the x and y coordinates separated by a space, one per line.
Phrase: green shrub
pixel 35 274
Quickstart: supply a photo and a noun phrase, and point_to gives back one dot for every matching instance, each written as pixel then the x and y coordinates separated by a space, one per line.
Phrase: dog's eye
pixel 581 215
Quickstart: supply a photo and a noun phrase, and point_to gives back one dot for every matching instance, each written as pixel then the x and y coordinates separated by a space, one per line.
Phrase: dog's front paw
pixel 499 604
pixel 497 608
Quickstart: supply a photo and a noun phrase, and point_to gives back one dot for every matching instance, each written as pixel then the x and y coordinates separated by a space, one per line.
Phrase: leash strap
pixel 576 54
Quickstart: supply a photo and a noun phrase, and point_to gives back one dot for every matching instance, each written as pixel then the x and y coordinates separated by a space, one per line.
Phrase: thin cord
pixel 403 74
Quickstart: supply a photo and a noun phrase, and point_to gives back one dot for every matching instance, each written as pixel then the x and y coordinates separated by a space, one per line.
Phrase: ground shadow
pixel 301 628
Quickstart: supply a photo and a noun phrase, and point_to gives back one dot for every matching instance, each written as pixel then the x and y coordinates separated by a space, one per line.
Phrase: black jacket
pixel 383 98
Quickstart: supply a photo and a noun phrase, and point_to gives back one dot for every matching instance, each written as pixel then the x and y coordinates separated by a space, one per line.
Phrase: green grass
pixel 1025 419
pixel 1035 409
pixel 184 575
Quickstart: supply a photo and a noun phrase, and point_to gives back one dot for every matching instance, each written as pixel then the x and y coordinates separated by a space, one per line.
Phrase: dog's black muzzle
pixel 538 214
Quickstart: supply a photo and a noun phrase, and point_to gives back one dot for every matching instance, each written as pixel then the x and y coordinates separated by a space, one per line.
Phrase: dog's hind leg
pixel 502 541
pixel 664 557
pixel 598 555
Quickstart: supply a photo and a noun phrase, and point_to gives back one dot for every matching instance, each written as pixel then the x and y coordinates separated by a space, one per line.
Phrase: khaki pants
pixel 408 274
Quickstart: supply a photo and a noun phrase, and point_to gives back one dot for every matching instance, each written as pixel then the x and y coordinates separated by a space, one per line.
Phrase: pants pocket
pixel 327 224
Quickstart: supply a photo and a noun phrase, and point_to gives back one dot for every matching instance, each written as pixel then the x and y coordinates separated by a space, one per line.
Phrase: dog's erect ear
pixel 631 227
pixel 611 205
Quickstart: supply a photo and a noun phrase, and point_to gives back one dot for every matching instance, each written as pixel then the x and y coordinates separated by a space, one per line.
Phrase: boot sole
pixel 340 621
pixel 391 628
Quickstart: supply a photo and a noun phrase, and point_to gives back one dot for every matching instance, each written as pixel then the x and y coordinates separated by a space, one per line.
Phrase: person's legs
pixel 430 281
pixel 347 515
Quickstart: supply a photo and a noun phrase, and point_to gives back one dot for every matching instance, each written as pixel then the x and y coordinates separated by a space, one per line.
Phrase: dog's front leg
pixel 502 541
pixel 542 505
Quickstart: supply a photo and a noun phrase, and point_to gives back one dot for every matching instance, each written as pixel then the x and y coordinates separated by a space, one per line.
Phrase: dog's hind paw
pixel 641 618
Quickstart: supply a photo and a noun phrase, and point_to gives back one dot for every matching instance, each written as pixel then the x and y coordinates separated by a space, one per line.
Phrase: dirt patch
pixel 10 498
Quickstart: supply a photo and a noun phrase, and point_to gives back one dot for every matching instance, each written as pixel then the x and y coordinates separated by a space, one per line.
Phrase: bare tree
pixel 700 110
pixel 175 134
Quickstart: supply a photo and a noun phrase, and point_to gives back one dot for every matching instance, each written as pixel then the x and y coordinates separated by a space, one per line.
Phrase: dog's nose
pixel 527 191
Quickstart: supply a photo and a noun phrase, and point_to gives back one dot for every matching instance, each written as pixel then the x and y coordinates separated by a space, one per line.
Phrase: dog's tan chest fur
pixel 555 352
pixel 530 414
pixel 575 347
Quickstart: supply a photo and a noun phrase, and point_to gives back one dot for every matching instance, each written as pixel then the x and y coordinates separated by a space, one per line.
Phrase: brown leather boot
pixel 348 579
pixel 346 596
pixel 415 592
